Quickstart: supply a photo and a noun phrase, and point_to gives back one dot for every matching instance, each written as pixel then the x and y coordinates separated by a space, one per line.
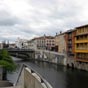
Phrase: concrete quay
pixel 28 78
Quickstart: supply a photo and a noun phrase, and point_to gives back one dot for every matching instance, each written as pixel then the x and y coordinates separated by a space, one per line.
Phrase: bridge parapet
pixel 20 50
pixel 25 54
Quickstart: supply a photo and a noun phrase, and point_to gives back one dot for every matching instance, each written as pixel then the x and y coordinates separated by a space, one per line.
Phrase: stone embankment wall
pixel 82 66
pixel 59 58
pixel 74 64
pixel 49 56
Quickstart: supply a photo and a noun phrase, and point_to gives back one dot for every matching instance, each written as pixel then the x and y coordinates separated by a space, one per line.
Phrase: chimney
pixel 60 32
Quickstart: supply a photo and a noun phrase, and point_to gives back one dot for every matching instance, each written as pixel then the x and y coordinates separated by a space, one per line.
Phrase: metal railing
pixel 17 49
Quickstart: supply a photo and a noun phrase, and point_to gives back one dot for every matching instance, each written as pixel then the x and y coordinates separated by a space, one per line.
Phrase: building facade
pixel 12 45
pixel 37 43
pixel 60 43
pixel 49 42
pixel 81 47
pixel 1 45
pixel 42 43
pixel 21 43
pixel 81 44
pixel 32 44
pixel 70 42
pixel 70 47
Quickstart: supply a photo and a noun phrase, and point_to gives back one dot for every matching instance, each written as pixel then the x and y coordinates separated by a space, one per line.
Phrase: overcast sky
pixel 30 18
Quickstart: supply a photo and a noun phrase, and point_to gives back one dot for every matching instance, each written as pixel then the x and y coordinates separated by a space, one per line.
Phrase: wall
pixel 31 79
pixel 49 56
pixel 82 66
pixel 60 42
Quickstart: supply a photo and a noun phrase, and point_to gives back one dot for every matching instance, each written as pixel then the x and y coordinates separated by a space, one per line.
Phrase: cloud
pixel 6 19
pixel 30 18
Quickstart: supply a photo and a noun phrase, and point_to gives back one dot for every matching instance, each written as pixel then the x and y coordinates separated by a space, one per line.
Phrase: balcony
pixel 81 33
pixel 82 59
pixel 81 50
pixel 81 41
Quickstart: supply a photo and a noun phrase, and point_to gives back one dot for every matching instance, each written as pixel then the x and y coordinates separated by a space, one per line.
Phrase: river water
pixel 58 76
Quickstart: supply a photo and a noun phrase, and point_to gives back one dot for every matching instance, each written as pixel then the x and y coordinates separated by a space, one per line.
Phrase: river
pixel 58 76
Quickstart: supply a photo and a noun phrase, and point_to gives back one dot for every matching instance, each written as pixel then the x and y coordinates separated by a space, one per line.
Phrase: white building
pixel 13 45
pixel 41 43
pixel 1 45
pixel 21 43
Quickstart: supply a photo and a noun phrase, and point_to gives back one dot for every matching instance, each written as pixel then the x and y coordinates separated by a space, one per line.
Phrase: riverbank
pixel 58 76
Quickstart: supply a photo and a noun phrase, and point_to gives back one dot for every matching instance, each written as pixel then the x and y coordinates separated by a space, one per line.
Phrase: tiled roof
pixel 71 30
pixel 44 37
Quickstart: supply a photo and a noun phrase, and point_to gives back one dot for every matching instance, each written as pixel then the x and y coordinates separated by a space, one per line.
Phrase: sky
pixel 30 18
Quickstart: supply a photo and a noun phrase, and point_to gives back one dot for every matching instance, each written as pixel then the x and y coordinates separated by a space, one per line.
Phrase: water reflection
pixel 59 76
pixel 76 79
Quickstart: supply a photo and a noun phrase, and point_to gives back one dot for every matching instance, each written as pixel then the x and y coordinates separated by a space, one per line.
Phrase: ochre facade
pixel 60 43
pixel 81 44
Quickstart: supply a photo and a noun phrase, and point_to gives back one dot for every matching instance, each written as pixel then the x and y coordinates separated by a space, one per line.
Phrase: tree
pixel 7 63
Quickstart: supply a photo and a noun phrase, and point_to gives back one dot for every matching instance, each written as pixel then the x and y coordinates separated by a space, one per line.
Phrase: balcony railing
pixel 81 41
pixel 81 59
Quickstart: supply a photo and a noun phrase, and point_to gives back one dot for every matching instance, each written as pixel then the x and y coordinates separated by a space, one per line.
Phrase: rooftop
pixel 82 26
pixel 71 30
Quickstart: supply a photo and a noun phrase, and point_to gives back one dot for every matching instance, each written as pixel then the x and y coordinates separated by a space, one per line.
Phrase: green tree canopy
pixel 6 61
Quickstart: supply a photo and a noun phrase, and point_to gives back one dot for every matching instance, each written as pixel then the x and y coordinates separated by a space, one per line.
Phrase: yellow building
pixel 81 44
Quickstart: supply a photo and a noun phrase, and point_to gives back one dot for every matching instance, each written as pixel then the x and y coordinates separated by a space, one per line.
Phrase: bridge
pixel 20 50
pixel 25 54
pixel 38 74
pixel 42 55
